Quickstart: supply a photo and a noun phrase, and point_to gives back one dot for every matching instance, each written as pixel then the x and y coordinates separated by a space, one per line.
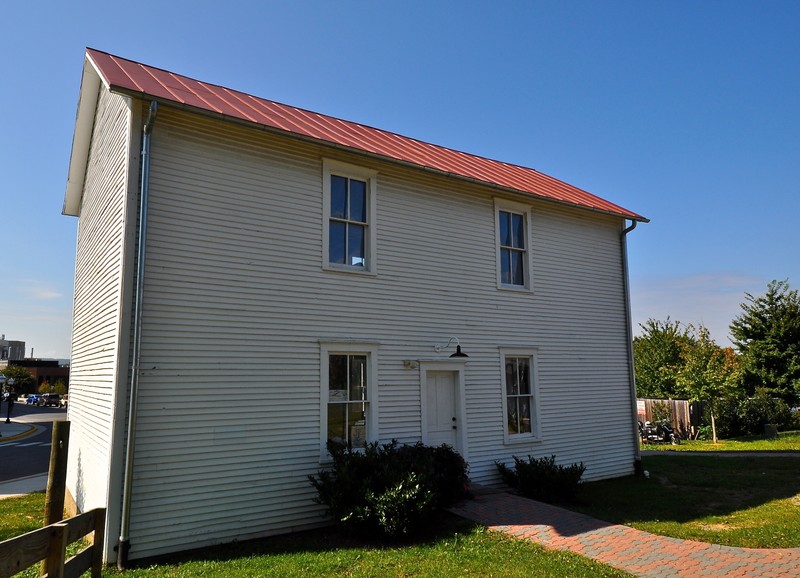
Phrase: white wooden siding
pixel 99 330
pixel 236 304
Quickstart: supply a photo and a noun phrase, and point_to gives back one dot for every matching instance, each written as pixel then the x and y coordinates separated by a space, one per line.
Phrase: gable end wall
pixel 100 327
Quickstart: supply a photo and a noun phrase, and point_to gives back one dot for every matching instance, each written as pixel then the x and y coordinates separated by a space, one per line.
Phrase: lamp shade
pixel 459 353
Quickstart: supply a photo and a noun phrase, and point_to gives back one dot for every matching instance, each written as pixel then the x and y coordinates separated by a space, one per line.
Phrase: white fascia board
pixel 81 139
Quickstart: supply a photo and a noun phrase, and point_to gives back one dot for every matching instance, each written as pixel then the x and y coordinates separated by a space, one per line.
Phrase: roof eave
pixel 81 139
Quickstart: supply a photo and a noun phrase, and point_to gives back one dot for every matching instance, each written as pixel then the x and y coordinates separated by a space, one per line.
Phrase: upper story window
pixel 512 222
pixel 349 227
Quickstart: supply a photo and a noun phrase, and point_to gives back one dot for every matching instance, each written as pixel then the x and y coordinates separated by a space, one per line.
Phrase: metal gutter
pixel 637 454
pixel 125 522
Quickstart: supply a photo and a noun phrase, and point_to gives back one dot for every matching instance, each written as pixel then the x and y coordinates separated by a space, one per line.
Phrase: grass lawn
pixel 454 547
pixel 786 441
pixel 730 500
pixel 21 515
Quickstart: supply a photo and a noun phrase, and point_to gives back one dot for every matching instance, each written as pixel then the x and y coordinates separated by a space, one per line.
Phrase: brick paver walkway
pixel 626 548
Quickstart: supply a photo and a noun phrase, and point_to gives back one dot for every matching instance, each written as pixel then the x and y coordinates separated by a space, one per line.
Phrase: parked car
pixel 33 399
pixel 50 400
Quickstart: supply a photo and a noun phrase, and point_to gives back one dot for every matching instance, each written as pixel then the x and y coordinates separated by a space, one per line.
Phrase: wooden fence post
pixel 54 563
pixel 57 476
pixel 99 545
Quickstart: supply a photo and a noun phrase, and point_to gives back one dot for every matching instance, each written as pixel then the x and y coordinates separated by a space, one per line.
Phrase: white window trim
pixel 532 354
pixel 328 348
pixel 525 210
pixel 332 167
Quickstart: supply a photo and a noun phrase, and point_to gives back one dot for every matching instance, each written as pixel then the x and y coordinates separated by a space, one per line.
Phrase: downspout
pixel 637 454
pixel 125 521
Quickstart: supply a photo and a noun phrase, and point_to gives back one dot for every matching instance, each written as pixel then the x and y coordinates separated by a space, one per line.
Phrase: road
pixel 29 455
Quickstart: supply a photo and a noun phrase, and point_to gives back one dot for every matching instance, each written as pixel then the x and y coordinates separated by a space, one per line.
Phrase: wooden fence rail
pixel 49 544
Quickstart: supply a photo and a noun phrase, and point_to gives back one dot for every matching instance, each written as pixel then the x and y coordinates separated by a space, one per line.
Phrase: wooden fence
pixel 677 409
pixel 49 544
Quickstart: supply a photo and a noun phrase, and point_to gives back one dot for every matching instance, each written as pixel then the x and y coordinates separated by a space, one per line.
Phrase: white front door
pixel 442 424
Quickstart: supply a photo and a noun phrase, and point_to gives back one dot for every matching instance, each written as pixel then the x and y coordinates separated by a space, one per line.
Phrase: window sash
pixel 512 235
pixel 348 399
pixel 347 230
pixel 519 395
pixel 512 266
pixel 349 215
pixel 512 230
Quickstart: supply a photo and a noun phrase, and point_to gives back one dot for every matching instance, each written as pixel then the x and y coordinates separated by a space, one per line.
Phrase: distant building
pixel 11 350
pixel 42 370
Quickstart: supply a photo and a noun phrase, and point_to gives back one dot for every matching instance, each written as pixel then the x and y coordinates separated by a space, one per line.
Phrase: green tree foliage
pixel 767 335
pixel 657 358
pixel 742 415
pixel 60 387
pixel 22 377
pixel 708 372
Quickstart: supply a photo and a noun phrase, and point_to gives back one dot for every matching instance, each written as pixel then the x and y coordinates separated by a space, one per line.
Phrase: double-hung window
pixel 348 406
pixel 512 223
pixel 349 226
pixel 519 394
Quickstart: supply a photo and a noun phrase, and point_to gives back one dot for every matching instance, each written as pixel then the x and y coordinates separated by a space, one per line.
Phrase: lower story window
pixel 519 395
pixel 348 400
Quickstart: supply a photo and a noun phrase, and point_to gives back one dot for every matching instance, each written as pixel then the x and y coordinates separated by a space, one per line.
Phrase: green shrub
pixel 739 417
pixel 543 479
pixel 794 425
pixel 390 490
pixel 762 409
pixel 726 417
pixel 399 509
pixel 704 432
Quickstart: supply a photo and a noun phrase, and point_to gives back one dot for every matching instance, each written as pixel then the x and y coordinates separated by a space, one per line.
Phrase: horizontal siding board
pixel 236 303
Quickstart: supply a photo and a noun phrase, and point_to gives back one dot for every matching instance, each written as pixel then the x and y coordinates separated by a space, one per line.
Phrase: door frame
pixel 455 366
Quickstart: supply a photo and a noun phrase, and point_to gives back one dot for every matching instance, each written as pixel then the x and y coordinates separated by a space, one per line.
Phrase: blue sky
pixel 685 112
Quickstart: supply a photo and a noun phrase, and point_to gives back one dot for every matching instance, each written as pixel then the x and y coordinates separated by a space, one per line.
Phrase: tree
pixel 657 358
pixel 767 335
pixel 708 372
pixel 22 377
pixel 60 387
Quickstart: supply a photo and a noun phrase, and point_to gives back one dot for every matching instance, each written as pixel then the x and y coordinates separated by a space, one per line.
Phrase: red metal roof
pixel 139 79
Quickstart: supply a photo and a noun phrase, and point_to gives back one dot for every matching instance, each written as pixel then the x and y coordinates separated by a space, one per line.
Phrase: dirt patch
pixel 729 526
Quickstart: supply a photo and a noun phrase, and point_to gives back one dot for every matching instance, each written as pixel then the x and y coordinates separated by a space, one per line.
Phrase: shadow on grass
pixel 680 489
pixel 684 488
pixel 508 509
pixel 443 527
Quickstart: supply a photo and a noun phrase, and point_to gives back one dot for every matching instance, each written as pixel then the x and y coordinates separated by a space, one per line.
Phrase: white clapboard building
pixel 253 279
